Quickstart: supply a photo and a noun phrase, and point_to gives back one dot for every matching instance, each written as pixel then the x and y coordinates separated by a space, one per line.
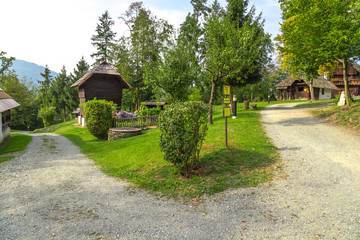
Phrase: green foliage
pixel 24 117
pixel 104 39
pixel 98 115
pixel 237 48
pixel 47 114
pixel 145 111
pixel 61 95
pixel 183 129
pixel 336 98
pixel 141 51
pixel 44 96
pixel 5 62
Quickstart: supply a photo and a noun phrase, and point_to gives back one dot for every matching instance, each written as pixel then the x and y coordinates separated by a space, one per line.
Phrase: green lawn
pixel 316 103
pixel 15 143
pixel 247 162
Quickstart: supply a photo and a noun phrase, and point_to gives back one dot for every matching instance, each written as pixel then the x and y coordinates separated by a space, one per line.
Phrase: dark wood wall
pixel 107 87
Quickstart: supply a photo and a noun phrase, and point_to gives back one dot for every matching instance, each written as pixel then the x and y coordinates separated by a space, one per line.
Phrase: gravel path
pixel 55 192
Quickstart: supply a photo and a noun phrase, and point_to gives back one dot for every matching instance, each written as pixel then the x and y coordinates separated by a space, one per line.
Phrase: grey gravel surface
pixel 54 192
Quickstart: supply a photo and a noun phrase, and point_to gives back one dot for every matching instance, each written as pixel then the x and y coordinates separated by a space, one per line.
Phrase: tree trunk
pixel 346 82
pixel 64 114
pixel 310 83
pixel 311 87
pixel 211 100
pixel 137 102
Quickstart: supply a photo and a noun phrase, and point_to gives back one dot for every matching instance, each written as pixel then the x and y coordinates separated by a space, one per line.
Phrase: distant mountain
pixel 30 70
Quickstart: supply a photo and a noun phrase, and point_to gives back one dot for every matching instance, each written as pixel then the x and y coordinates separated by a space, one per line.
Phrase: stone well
pixel 117 133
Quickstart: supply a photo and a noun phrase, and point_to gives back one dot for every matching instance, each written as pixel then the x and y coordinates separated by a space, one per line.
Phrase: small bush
pixel 98 115
pixel 183 128
pixel 47 114
pixel 145 111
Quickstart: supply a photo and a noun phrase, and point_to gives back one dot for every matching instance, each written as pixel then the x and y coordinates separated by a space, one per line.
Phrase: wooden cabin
pixel 294 89
pixel 6 103
pixel 353 73
pixel 101 82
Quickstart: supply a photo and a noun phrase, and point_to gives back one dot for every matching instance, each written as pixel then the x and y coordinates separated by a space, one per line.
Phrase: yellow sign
pixel 226 112
pixel 226 100
pixel 226 90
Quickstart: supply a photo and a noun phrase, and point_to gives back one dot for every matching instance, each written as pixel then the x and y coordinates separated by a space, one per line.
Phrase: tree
pixel 6 63
pixel 44 89
pixel 23 117
pixel 235 52
pixel 319 32
pixel 81 68
pixel 60 92
pixel 148 38
pixel 174 74
pixel 104 39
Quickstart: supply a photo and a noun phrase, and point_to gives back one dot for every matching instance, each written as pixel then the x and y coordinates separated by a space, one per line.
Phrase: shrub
pixel 145 111
pixel 336 98
pixel 98 115
pixel 183 128
pixel 47 114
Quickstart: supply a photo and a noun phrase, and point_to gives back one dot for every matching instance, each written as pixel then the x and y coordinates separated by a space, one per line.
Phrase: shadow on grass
pixel 233 161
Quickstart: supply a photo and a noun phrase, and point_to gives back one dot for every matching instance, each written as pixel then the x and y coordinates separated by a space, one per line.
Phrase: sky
pixel 57 32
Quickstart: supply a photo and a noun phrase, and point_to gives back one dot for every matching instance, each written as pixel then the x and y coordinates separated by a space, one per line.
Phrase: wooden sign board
pixel 227 89
pixel 226 112
pixel 226 100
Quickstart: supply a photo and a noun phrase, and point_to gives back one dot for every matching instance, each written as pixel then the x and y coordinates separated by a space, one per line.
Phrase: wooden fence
pixel 137 122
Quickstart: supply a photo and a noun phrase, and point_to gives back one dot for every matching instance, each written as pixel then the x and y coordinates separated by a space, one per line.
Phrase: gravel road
pixel 53 191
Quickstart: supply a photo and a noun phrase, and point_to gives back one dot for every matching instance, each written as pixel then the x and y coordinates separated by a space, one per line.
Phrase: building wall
pixel 324 94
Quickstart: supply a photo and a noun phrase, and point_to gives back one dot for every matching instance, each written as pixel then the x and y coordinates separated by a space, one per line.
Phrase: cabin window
pixel 323 91
pixel 300 89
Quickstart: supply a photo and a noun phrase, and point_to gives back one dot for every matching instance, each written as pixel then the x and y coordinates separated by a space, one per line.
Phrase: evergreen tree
pixel 60 93
pixel 104 39
pixel 45 88
pixel 73 99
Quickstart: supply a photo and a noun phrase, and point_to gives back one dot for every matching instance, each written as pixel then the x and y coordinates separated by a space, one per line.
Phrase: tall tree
pixel 104 39
pixel 319 32
pixel 234 53
pixel 81 68
pixel 60 93
pixel 148 38
pixel 44 89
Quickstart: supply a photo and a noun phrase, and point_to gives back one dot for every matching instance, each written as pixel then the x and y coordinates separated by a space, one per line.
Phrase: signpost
pixel 226 109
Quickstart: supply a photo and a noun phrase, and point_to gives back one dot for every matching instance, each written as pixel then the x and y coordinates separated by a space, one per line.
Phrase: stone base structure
pixel 118 133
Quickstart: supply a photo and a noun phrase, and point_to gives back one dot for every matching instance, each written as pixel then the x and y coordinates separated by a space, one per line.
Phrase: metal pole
pixel 226 138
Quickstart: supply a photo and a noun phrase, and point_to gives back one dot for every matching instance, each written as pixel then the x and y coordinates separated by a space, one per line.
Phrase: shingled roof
pixel 320 82
pixel 6 102
pixel 103 68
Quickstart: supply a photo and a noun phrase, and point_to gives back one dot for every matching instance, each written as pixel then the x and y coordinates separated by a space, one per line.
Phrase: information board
pixel 226 112
pixel 226 90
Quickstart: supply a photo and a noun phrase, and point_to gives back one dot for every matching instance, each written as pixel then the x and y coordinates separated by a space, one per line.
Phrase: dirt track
pixel 54 189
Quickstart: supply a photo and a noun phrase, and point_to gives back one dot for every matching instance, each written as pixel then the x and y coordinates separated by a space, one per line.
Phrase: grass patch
pixel 15 143
pixel 344 116
pixel 316 103
pixel 247 162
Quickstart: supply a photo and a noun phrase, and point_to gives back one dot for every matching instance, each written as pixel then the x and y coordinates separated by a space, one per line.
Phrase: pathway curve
pixel 54 191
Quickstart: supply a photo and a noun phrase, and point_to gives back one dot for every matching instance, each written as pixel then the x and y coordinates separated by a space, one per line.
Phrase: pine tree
pixel 81 68
pixel 104 39
pixel 44 88
pixel 60 92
